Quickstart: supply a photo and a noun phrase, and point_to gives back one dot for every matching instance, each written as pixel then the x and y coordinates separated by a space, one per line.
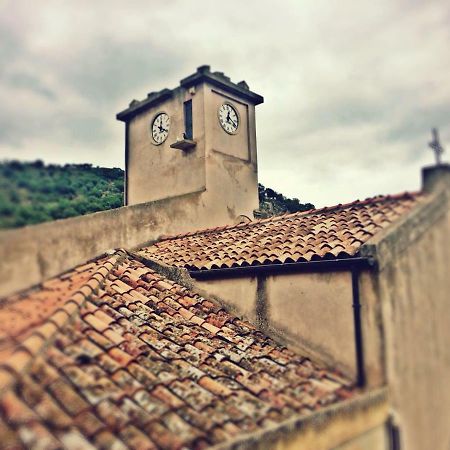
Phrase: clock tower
pixel 197 142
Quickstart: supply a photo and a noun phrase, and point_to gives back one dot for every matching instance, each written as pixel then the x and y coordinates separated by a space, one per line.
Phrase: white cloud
pixel 351 87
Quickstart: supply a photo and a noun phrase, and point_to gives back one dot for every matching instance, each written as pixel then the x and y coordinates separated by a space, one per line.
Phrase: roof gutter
pixel 328 265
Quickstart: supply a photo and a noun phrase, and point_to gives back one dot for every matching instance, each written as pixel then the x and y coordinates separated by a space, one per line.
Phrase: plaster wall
pixel 372 329
pixel 415 286
pixel 237 144
pixel 311 312
pixel 156 172
pixel 374 439
pixel 238 293
pixel 231 161
pixel 232 188
pixel 314 311
pixel 36 253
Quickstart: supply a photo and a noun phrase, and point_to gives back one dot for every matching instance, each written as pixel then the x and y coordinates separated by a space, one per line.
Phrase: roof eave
pixel 201 76
pixel 221 82
pixel 327 265
pixel 137 107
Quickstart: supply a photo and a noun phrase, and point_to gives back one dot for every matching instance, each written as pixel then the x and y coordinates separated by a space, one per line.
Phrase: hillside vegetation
pixel 33 192
pixel 272 203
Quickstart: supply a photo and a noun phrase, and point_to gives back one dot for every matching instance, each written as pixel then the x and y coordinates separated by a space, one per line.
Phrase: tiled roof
pixel 134 360
pixel 326 233
pixel 21 313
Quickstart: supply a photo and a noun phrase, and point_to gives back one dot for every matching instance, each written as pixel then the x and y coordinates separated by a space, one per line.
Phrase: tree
pixel 272 203
pixel 34 192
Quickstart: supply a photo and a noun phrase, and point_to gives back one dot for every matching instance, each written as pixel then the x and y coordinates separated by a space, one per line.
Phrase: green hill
pixel 272 203
pixel 32 192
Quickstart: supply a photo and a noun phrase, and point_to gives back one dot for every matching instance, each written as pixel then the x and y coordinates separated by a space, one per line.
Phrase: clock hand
pixel 161 129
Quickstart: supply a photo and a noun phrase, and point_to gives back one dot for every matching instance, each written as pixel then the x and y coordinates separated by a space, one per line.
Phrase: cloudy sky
pixel 351 87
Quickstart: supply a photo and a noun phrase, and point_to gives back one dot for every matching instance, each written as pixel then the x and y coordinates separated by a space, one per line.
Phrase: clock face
pixel 228 118
pixel 160 128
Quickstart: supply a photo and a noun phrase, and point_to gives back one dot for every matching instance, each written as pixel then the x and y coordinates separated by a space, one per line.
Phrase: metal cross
pixel 436 146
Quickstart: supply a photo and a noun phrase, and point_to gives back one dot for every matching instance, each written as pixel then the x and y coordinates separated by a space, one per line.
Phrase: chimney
pixel 436 177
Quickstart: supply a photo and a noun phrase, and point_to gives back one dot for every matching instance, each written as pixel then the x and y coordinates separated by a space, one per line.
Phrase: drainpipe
pixel 127 163
pixel 359 348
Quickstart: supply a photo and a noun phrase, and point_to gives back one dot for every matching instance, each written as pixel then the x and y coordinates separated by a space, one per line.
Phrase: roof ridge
pixel 26 351
pixel 324 209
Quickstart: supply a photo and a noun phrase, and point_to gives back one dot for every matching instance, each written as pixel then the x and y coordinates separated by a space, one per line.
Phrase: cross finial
pixel 436 146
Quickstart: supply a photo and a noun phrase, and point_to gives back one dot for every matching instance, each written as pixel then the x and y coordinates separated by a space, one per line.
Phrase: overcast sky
pixel 351 87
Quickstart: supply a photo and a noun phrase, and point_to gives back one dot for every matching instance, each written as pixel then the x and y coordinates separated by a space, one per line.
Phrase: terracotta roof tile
pixel 45 307
pixel 136 371
pixel 326 233
pixel 10 439
pixel 136 439
pixel 107 440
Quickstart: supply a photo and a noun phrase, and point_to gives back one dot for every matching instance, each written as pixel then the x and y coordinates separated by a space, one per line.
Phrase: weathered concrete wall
pixel 372 329
pixel 356 425
pixel 235 198
pixel 314 310
pixel 35 253
pixel 231 160
pixel 238 293
pixel 311 312
pixel 374 439
pixel 415 287
pixel 155 171
pixel 237 144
